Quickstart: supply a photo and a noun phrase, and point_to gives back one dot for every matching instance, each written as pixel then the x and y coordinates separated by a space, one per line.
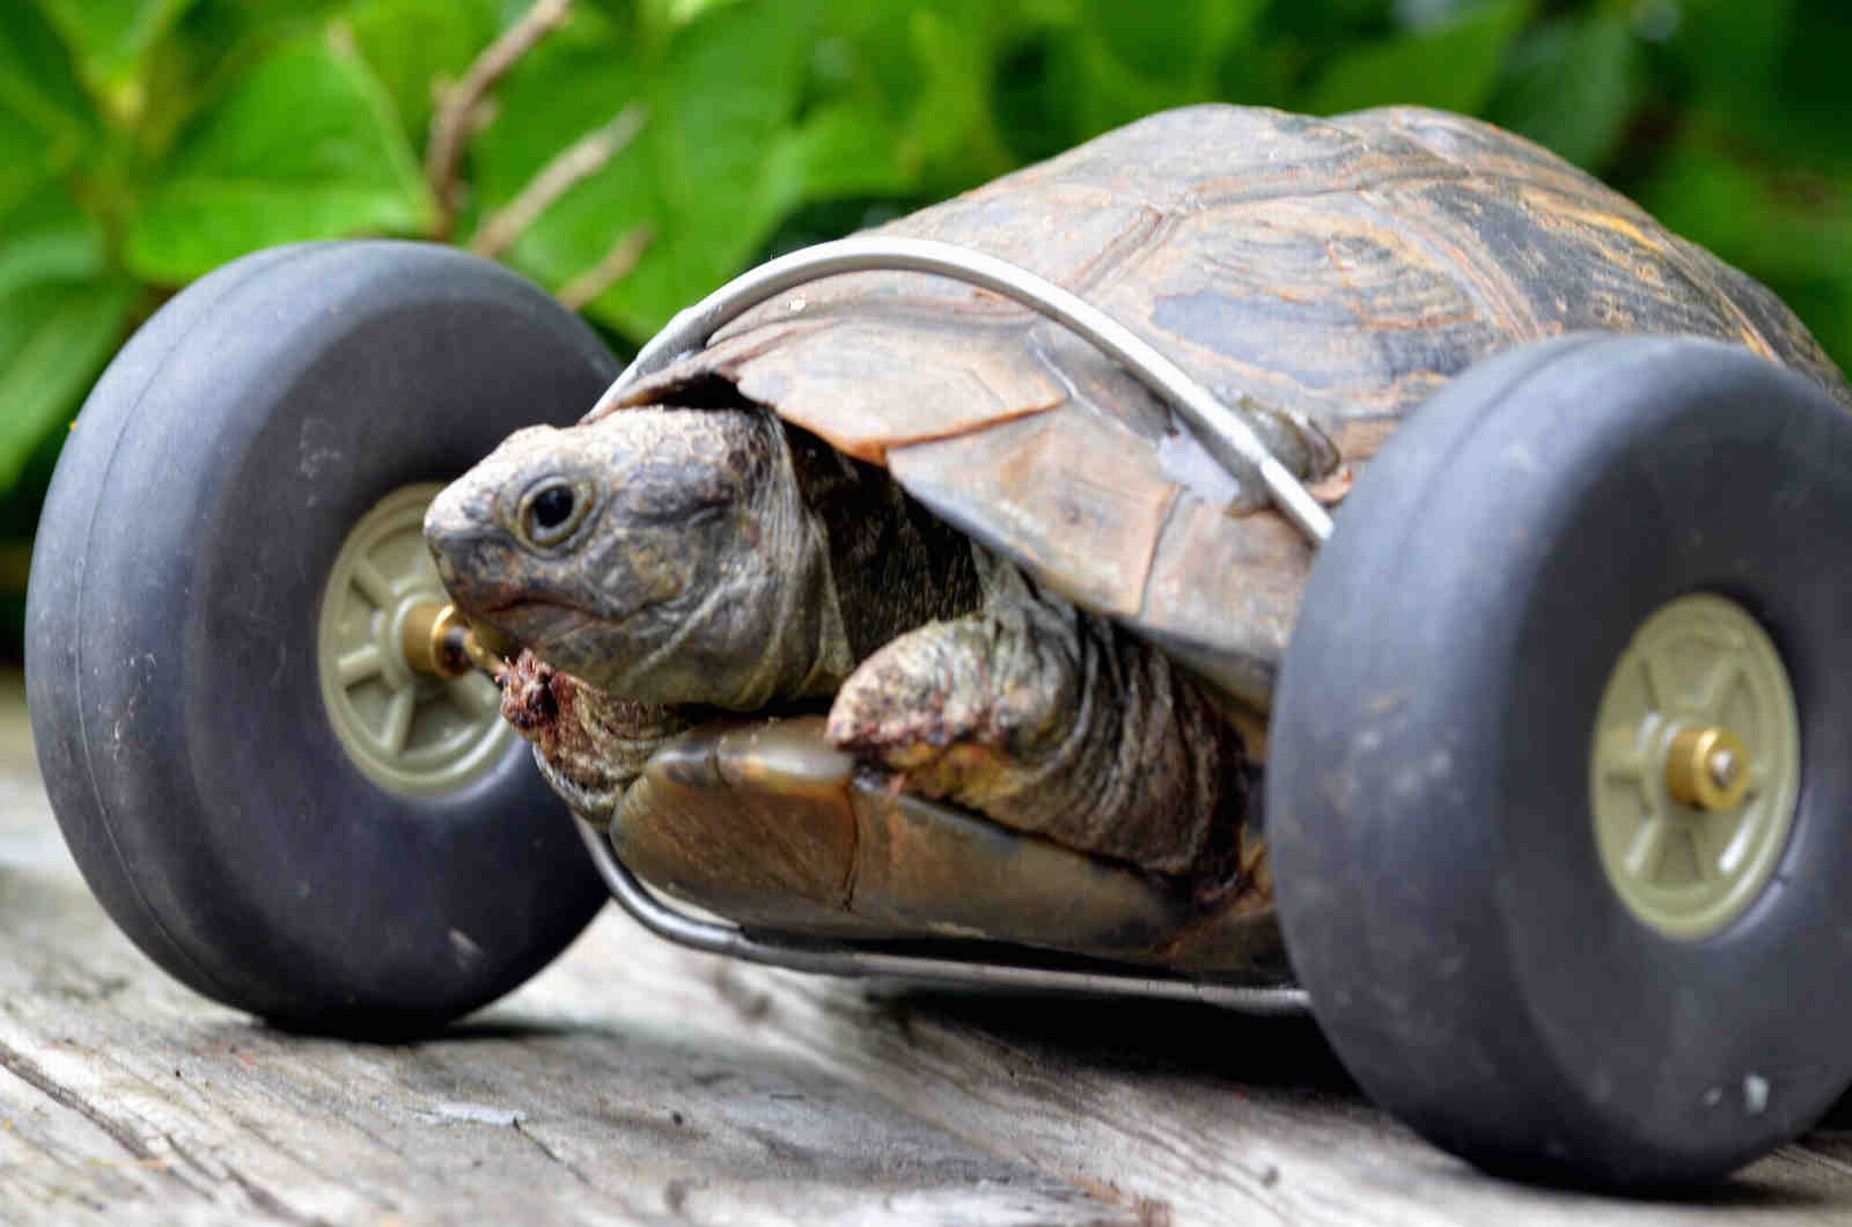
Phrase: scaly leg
pixel 1056 722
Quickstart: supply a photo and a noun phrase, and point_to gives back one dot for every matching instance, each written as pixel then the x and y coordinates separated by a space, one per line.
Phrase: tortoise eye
pixel 550 511
pixel 552 507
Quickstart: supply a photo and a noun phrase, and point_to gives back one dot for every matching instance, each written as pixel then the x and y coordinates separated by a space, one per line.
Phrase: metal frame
pixel 1223 431
pixel 865 961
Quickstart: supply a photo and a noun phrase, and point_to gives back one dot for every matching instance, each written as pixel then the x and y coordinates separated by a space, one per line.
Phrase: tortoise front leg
pixel 1055 722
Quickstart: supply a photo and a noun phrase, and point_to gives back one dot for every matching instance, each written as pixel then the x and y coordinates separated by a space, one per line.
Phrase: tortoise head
pixel 648 552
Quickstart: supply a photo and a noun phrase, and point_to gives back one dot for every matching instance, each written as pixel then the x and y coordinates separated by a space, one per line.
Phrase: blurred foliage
pixel 143 142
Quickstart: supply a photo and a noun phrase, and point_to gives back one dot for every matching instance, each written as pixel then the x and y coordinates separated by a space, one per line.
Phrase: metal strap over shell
pixel 1223 430
pixel 861 960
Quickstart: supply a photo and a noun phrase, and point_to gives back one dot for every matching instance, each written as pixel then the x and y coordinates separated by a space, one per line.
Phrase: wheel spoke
pixel 1759 777
pixel 1623 759
pixel 1721 845
pixel 360 664
pixel 1646 850
pixel 398 726
pixel 1703 855
pixel 1723 678
pixel 1658 695
pixel 373 582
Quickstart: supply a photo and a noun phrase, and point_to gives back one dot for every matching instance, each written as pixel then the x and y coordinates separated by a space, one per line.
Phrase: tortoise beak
pixel 471 553
pixel 489 578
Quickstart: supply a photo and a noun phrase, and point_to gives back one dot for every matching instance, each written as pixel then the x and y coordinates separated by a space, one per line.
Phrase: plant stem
pixel 615 266
pixel 456 114
pixel 578 162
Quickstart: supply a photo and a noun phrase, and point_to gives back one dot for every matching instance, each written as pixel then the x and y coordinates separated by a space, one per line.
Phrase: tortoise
pixel 1045 623
pixel 1016 581
pixel 1519 779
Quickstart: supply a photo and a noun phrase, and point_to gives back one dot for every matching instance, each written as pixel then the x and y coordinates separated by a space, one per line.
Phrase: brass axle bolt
pixel 1708 768
pixel 436 641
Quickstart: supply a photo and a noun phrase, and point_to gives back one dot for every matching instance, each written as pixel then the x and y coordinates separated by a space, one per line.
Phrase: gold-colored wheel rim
pixel 1695 766
pixel 409 730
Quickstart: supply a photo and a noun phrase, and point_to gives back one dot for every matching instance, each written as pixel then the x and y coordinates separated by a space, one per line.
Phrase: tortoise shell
pixel 1328 275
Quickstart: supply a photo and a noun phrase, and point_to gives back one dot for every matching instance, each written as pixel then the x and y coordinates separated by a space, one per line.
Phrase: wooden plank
pixel 634 1082
pixel 121 1091
pixel 1191 1115
pixel 123 1097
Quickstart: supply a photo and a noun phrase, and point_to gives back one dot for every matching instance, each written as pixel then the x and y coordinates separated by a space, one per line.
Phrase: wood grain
pixel 637 1083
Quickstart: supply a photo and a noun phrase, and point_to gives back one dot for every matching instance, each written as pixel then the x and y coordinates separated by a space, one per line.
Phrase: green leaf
pixel 1789 225
pixel 304 146
pixel 45 119
pixel 1776 222
pixel 1184 38
pixel 203 57
pixel 665 15
pixel 1451 65
pixel 1572 85
pixel 933 71
pixel 52 262
pixel 415 45
pixel 704 175
pixel 54 339
pixel 575 80
pixel 1825 306
pixel 1774 72
pixel 952 124
pixel 1117 61
pixel 46 237
pixel 110 38
pixel 841 149
pixel 1734 50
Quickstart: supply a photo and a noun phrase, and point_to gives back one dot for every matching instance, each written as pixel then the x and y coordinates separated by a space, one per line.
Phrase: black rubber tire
pixel 171 638
pixel 1438 880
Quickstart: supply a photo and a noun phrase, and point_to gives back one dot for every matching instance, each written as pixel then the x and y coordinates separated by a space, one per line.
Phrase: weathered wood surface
pixel 636 1083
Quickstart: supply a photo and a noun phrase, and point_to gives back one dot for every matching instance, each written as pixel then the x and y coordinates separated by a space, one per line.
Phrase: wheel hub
pixel 399 692
pixel 1695 766
pixel 1707 768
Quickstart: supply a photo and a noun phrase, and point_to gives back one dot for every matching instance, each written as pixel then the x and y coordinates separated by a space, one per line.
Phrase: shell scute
pixel 766 823
pixel 1223 593
pixel 1098 523
pixel 933 867
pixel 1327 309
pixel 701 823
